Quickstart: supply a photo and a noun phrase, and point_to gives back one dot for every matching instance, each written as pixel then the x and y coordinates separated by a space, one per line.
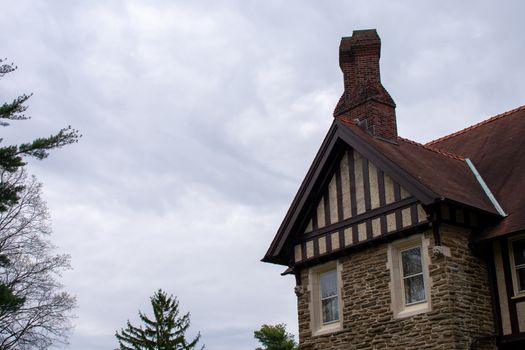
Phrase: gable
pixel 356 186
pixel 359 203
pixel 335 147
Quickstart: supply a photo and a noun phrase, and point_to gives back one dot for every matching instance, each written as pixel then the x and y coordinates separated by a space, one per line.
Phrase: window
pixel 325 301
pixel 409 285
pixel 329 296
pixel 412 273
pixel 517 260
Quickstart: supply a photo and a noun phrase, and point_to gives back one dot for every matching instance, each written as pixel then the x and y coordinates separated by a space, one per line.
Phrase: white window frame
pixel 513 267
pixel 316 317
pixel 397 289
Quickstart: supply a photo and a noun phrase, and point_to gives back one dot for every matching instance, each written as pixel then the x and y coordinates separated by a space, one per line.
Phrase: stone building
pixel 401 245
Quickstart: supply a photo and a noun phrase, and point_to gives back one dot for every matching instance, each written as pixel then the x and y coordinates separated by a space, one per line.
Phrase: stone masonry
pixel 461 306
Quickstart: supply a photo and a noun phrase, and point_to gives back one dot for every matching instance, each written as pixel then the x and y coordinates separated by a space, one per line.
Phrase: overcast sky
pixel 199 121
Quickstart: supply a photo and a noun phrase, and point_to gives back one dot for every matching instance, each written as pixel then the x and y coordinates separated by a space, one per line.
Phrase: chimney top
pixel 363 37
pixel 364 99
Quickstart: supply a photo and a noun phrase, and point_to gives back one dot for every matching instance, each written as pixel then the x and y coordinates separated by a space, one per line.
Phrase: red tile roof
pixel 443 172
pixel 447 154
pixel 467 129
pixel 496 146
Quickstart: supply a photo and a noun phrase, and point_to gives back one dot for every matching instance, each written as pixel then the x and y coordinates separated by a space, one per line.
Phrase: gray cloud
pixel 200 120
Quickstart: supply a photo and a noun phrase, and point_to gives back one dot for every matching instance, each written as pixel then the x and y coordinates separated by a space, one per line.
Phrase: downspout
pixel 489 194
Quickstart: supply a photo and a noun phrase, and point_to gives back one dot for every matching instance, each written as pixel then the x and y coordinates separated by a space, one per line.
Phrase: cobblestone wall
pixel 461 307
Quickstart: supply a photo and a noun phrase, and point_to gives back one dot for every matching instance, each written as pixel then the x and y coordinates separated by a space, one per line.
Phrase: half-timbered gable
pixel 359 203
pixel 396 244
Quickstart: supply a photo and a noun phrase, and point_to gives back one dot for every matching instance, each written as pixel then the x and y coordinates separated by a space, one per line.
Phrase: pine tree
pixel 11 156
pixel 167 331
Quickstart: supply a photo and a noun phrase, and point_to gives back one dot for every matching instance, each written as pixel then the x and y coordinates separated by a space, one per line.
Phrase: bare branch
pixel 30 271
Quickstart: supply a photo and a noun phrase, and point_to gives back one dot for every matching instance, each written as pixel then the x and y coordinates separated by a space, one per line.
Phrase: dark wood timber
pixel 328 242
pixel 314 219
pixel 382 220
pixel 351 170
pixel 326 199
pixel 339 190
pixel 397 191
pixel 355 235
pixel 365 216
pixel 368 229
pixel 366 182
pixel 399 220
pixel 413 214
pixel 316 245
pixel 381 185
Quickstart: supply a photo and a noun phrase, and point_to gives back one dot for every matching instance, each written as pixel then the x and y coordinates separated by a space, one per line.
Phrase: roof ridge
pixel 474 126
pixel 443 153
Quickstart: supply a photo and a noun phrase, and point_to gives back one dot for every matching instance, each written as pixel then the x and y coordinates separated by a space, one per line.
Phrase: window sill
pixel 329 328
pixel 413 310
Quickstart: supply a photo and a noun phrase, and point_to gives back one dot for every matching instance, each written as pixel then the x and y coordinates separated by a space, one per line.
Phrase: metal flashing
pixel 486 188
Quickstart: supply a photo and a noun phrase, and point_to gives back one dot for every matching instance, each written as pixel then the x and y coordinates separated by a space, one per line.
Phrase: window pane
pixel 330 310
pixel 519 251
pixel 414 289
pixel 521 279
pixel 328 281
pixel 411 259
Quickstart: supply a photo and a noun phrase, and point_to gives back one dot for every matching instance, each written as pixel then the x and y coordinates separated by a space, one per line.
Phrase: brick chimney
pixel 365 101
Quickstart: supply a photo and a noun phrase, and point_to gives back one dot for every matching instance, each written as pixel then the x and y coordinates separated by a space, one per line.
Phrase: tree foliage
pixel 11 156
pixel 34 310
pixel 275 338
pixel 166 331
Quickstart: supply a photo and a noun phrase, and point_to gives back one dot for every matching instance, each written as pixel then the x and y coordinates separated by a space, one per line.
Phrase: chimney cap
pixel 362 33
pixel 365 38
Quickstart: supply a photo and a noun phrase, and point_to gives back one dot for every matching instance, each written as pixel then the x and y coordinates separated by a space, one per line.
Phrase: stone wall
pixel 460 299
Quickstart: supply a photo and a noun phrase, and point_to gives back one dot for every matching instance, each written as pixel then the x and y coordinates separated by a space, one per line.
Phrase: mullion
pixel 412 275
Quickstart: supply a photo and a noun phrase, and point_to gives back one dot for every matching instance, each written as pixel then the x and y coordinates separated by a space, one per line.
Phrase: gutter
pixel 489 194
